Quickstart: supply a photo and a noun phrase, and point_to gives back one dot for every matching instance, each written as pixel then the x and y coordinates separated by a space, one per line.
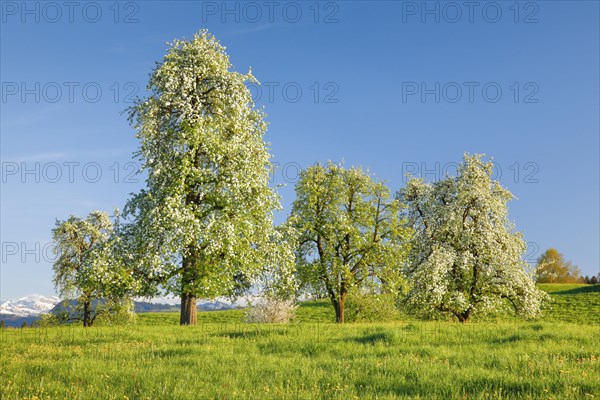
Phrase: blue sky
pixel 392 86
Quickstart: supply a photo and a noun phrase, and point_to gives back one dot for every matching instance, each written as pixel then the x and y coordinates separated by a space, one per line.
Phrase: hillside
pixel 573 303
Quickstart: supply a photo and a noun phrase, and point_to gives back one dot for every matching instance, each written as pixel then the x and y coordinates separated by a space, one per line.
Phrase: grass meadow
pixel 555 357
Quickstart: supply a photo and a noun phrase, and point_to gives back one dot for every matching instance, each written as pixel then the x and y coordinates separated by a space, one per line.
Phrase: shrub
pixel 49 319
pixel 104 312
pixel 371 307
pixel 271 311
pixel 119 312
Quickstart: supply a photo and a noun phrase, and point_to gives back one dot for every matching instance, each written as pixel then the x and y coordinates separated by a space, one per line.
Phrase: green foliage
pixel 350 232
pixel 371 307
pixel 466 256
pixel 87 267
pixel 50 319
pixel 102 312
pixel 116 313
pixel 553 268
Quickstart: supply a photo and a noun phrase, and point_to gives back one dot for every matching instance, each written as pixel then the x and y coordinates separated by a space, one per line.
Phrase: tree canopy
pixel 350 233
pixel 553 268
pixel 206 215
pixel 467 257
pixel 87 268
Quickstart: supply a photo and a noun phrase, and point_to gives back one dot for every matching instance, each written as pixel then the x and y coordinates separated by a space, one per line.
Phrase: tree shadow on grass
pixel 509 339
pixel 244 334
pixel 579 290
pixel 172 353
pixel 377 336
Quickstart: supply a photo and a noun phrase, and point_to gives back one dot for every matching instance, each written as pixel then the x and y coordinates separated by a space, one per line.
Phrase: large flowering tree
pixel 204 222
pixel 467 257
pixel 351 233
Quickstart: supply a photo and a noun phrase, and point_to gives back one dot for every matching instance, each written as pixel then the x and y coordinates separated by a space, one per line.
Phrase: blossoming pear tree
pixel 466 256
pixel 351 233
pixel 205 218
pixel 87 270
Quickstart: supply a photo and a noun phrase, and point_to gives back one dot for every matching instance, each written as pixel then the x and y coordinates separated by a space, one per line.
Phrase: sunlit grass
pixel 573 303
pixel 225 358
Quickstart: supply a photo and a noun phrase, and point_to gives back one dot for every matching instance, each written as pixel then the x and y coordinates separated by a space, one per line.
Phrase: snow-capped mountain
pixel 36 304
pixel 29 306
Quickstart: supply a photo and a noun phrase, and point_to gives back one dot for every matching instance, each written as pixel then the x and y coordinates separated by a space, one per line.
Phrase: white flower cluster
pixel 466 257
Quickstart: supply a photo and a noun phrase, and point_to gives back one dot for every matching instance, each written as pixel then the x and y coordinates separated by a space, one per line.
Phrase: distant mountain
pixel 26 309
pixel 144 306
pixel 29 306
pixel 17 322
pixel 216 306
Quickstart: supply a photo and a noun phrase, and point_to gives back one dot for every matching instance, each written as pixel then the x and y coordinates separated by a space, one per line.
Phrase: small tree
pixel 466 256
pixel 203 227
pixel 350 233
pixel 594 280
pixel 113 311
pixel 553 268
pixel 365 306
pixel 86 267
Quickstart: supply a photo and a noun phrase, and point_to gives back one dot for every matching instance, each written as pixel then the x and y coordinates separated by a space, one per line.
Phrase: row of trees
pixel 203 226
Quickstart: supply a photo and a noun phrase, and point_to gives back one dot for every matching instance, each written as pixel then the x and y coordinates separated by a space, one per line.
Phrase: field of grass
pixel 573 303
pixel 557 357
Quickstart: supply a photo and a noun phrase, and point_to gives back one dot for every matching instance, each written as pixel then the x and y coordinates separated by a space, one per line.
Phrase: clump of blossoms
pixel 466 256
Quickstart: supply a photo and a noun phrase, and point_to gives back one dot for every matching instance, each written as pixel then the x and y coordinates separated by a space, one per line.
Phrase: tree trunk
pixel 338 304
pixel 87 313
pixel 189 274
pixel 464 316
pixel 189 310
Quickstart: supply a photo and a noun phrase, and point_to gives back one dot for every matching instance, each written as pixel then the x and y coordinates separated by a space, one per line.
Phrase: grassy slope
pixel 225 358
pixel 573 303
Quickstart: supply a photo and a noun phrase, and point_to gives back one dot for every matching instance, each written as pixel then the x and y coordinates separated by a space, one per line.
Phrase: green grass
pixel 573 303
pixel 225 358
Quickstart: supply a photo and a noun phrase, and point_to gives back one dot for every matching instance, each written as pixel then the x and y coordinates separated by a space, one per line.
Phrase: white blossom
pixel 467 257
